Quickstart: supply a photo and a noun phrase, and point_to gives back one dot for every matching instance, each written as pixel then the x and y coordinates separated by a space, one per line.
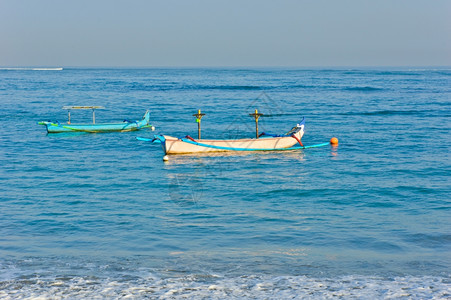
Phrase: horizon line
pixel 55 68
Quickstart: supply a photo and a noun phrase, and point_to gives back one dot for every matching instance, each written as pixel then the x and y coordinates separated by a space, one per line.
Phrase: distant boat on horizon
pixel 31 69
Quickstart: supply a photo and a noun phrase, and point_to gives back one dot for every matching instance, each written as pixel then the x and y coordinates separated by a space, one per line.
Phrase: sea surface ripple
pixel 102 216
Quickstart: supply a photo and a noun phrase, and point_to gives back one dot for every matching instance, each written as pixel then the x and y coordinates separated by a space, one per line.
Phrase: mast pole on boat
pixel 256 115
pixel 198 116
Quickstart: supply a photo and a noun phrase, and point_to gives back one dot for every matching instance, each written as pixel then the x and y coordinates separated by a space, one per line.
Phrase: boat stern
pixel 162 140
pixel 146 117
pixel 47 124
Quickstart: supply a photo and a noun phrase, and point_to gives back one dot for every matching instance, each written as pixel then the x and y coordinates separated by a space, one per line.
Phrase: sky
pixel 225 33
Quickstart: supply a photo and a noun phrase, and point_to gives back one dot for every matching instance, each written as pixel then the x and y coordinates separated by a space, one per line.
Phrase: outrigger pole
pixel 198 116
pixel 256 115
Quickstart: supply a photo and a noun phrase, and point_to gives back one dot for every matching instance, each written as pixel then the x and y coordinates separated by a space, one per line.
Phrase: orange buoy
pixel 334 141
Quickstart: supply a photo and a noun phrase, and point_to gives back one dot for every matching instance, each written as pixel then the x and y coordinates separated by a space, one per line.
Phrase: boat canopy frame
pixel 83 107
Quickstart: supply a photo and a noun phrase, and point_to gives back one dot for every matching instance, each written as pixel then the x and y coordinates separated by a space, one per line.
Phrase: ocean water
pixel 102 216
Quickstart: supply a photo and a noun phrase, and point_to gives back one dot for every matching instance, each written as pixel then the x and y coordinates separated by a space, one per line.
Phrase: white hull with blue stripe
pixel 173 145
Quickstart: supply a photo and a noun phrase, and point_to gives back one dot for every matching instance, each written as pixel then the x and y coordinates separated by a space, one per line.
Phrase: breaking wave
pixel 217 287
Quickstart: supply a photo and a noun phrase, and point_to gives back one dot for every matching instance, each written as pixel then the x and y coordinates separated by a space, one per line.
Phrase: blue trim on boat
pixel 160 138
pixel 250 149
pixel 153 141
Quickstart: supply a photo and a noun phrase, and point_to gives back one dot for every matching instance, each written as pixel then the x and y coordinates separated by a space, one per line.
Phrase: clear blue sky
pixel 293 33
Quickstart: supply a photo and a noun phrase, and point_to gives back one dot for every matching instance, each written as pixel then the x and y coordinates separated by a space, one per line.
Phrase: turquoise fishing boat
pixel 126 125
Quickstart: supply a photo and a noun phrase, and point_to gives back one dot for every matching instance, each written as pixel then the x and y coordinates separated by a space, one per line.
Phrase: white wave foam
pixel 244 287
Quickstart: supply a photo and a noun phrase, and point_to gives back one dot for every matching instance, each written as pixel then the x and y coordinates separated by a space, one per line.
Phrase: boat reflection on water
pixel 193 178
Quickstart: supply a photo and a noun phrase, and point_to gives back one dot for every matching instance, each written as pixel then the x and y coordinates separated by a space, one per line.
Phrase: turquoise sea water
pixel 101 215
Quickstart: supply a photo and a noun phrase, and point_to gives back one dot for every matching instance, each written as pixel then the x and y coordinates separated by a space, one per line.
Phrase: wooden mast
pixel 256 115
pixel 198 116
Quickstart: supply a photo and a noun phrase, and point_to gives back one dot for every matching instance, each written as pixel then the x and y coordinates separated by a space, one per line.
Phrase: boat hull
pixel 56 127
pixel 172 145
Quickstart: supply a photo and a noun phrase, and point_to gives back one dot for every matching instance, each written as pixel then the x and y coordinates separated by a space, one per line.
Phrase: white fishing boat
pixel 262 142
pixel 265 142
